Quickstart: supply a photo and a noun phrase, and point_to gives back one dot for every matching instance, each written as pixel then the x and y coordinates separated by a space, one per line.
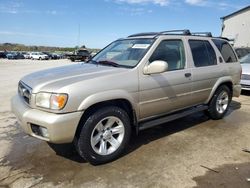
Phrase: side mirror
pixel 156 67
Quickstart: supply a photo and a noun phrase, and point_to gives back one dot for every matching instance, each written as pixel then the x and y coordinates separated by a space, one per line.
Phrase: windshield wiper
pixel 106 62
pixel 92 61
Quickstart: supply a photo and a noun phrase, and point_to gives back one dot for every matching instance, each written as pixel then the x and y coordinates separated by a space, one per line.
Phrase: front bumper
pixel 61 128
pixel 236 90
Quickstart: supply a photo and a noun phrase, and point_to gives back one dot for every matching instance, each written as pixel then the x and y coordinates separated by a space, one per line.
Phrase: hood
pixel 245 68
pixel 51 80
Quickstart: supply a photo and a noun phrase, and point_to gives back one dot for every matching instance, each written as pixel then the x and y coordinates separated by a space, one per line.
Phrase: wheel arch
pixel 120 102
pixel 222 81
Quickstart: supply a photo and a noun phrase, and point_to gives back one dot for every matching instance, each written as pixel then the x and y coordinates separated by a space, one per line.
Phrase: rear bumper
pixel 236 90
pixel 245 84
pixel 61 128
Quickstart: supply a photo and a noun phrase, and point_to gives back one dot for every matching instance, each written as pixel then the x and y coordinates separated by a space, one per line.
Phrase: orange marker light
pixel 58 101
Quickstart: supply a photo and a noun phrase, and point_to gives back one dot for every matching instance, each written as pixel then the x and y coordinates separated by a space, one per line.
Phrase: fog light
pixel 44 132
pixel 39 131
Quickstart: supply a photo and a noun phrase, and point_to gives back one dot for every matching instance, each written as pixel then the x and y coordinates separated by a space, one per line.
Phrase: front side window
pixel 171 51
pixel 124 53
pixel 225 50
pixel 203 53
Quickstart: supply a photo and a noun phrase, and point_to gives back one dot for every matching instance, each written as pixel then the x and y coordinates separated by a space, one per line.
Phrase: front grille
pixel 24 91
pixel 245 77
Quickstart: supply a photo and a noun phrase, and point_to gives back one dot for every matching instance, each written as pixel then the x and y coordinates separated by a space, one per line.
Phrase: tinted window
pixel 225 50
pixel 203 53
pixel 171 51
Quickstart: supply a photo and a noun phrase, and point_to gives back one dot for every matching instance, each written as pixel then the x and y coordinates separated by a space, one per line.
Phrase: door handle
pixel 188 75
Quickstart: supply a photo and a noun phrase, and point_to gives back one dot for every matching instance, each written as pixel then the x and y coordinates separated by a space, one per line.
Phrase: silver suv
pixel 134 83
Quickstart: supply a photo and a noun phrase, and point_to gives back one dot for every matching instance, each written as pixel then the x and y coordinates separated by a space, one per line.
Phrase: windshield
pixel 245 59
pixel 124 53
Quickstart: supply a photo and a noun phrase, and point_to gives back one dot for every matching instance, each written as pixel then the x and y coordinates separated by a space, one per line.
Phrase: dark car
pixel 241 52
pixel 15 55
pixel 52 55
pixel 56 56
pixel 2 54
pixel 80 55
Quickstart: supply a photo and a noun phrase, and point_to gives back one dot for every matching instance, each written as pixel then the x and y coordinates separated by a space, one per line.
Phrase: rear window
pixel 225 50
pixel 203 53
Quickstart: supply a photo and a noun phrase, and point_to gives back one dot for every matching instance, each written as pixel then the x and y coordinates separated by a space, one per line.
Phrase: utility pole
pixel 79 35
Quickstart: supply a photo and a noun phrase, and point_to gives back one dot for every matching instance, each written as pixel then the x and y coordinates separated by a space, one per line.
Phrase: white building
pixel 236 26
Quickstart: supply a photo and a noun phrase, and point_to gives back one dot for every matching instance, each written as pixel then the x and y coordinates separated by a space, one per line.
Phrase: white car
pixel 245 77
pixel 39 56
pixel 26 55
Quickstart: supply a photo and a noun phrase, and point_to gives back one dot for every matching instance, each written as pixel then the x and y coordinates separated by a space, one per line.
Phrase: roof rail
pixel 170 32
pixel 144 34
pixel 205 34
pixel 173 32
pixel 178 32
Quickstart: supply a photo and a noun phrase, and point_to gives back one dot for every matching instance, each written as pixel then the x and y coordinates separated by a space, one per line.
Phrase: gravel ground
pixel 191 152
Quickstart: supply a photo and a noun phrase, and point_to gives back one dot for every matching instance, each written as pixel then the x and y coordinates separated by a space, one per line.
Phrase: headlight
pixel 54 101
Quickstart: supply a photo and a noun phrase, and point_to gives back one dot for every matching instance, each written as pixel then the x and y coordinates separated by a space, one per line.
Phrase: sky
pixel 96 23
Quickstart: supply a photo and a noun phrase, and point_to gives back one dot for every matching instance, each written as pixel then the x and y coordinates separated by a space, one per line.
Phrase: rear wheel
pixel 220 102
pixel 104 135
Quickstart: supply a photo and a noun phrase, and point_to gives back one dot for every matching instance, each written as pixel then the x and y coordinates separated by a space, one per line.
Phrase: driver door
pixel 169 91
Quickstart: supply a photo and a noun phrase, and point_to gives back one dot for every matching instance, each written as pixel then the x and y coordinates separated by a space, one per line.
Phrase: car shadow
pixel 144 137
pixel 67 151
pixel 245 92
pixel 149 135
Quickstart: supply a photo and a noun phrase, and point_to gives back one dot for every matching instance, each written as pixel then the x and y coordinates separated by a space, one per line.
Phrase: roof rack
pixel 205 34
pixel 173 32
pixel 178 32
pixel 144 34
pixel 170 32
pixel 225 38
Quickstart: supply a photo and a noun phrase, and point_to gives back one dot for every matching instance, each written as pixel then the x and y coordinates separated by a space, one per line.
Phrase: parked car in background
pixel 80 55
pixel 245 77
pixel 55 56
pixel 15 55
pixel 26 55
pixel 10 55
pixel 241 52
pixel 39 56
pixel 3 54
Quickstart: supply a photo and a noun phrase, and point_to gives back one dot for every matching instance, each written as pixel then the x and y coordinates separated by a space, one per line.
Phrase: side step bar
pixel 171 117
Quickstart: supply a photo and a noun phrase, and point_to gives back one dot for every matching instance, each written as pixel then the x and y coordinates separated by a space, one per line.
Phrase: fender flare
pixel 219 82
pixel 107 96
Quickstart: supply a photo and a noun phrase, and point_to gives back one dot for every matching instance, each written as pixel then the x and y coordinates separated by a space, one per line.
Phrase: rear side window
pixel 203 53
pixel 225 50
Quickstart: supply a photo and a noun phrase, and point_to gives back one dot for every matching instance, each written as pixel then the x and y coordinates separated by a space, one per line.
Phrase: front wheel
pixel 104 135
pixel 220 102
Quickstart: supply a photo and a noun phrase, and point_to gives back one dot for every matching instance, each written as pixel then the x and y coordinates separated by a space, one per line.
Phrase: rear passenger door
pixel 205 70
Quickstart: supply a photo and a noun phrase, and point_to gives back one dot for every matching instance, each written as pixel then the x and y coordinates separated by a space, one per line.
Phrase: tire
pixel 96 142
pixel 219 103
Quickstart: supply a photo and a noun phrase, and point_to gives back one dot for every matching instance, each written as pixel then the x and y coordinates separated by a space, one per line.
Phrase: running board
pixel 171 117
